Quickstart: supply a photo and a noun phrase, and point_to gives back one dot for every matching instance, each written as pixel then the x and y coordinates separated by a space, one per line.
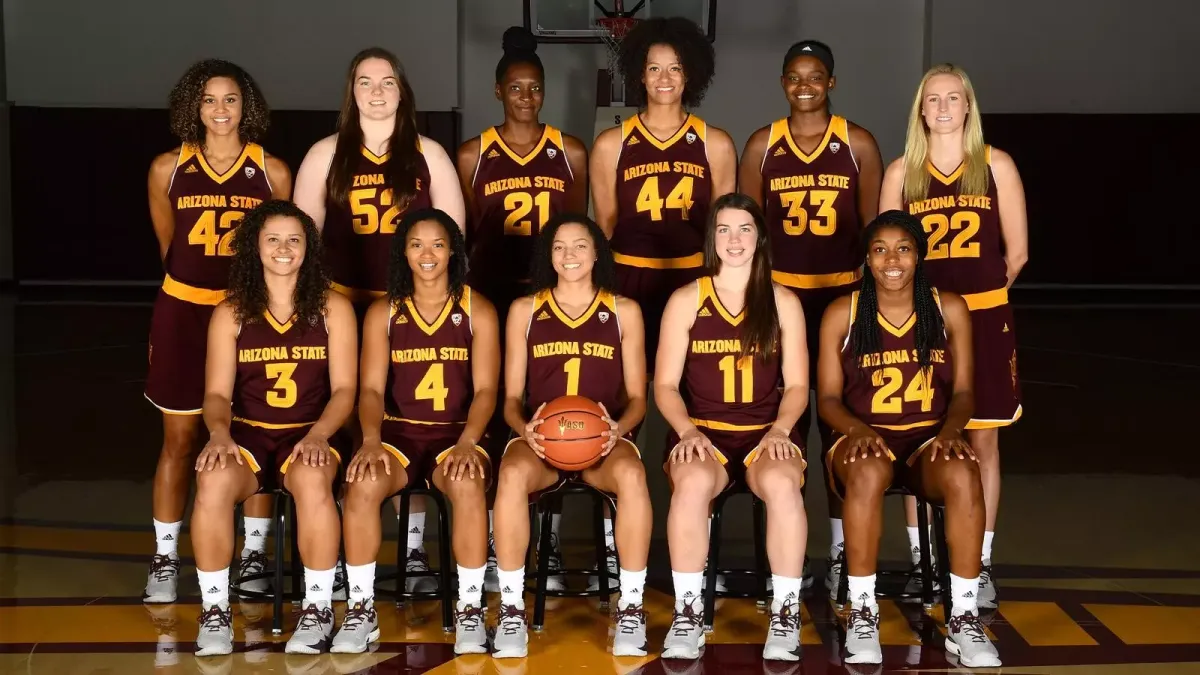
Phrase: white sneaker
pixel 966 639
pixel 783 631
pixel 987 587
pixel 360 627
pixel 630 630
pixel 314 631
pixel 862 634
pixel 418 563
pixel 512 633
pixel 685 637
pixel 833 577
pixel 162 583
pixel 252 563
pixel 216 631
pixel 470 631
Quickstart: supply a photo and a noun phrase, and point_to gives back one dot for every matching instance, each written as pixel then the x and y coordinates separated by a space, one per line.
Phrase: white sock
pixel 416 530
pixel 861 590
pixel 214 587
pixel 687 587
pixel 318 587
pixel 257 530
pixel 987 545
pixel 360 580
pixel 787 589
pixel 470 585
pixel 610 542
pixel 167 538
pixel 838 543
pixel 555 521
pixel 512 587
pixel 633 584
pixel 964 595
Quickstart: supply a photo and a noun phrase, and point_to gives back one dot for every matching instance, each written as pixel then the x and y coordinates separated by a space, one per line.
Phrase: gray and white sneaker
pixel 252 563
pixel 629 638
pixel 555 580
pixel 862 634
pixel 833 578
pixel 216 631
pixel 314 631
pixel 685 637
pixel 783 631
pixel 966 639
pixel 512 633
pixel 339 583
pixel 987 587
pixel 418 563
pixel 916 580
pixel 614 568
pixel 470 633
pixel 162 583
pixel 360 627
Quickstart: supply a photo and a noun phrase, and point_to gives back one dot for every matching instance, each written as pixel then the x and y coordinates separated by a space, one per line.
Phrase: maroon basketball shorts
pixel 178 346
pixel 651 288
pixel 907 447
pixel 997 387
pixel 736 450
pixel 420 448
pixel 268 451
pixel 564 475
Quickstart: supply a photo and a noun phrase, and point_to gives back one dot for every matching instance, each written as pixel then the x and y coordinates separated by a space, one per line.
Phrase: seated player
pixel 734 339
pixel 573 336
pixel 895 378
pixel 277 390
pixel 430 366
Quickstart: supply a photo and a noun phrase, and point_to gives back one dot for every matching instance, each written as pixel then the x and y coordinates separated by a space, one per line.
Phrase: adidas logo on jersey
pixel 632 141
pixel 779 152
pixel 543 315
pixel 402 319
pixel 1005 328
pixel 493 154
pixel 191 169
pixel 704 312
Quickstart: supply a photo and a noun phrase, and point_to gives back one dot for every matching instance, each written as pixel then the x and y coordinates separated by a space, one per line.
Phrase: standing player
pixel 277 391
pixel 654 177
pixel 357 185
pixel 817 177
pixel 734 339
pixel 895 383
pixel 573 337
pixel 515 178
pixel 971 203
pixel 430 366
pixel 198 194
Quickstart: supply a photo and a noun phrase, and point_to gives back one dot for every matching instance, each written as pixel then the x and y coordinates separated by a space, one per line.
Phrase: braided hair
pixel 929 329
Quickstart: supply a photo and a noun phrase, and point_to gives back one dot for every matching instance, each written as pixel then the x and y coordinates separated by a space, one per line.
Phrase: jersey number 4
pixel 433 387
pixel 519 205
pixel 797 221
pixel 889 381
pixel 649 201
pixel 205 232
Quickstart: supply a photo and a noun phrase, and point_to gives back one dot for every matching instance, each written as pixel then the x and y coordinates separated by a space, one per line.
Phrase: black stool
pixel 546 503
pixel 284 512
pixel 443 573
pixel 761 571
pixel 927 572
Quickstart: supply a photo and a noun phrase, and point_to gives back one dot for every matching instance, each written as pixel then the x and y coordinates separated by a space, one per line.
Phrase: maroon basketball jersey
pixel 811 207
pixel 358 235
pixel 575 357
pixel 430 379
pixel 207 207
pixel 723 390
pixel 514 197
pixel 887 389
pixel 664 189
pixel 282 373
pixel 966 253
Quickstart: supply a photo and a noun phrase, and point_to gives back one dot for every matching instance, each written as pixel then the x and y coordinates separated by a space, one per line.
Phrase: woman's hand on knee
pixel 951 441
pixel 693 444
pixel 312 450
pixel 217 451
pixel 365 460
pixel 464 460
pixel 865 442
pixel 776 445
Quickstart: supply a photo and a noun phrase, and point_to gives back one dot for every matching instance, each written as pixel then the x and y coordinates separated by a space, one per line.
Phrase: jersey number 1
pixel 729 365
pixel 433 387
pixel 648 199
pixel 518 205
pixel 204 232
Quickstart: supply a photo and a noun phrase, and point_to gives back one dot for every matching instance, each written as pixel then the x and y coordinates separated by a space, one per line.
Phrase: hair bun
pixel 519 40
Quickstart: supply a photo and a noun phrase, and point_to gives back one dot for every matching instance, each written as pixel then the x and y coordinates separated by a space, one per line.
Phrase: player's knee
pixel 630 476
pixel 960 479
pixel 513 477
pixel 309 483
pixel 692 482
pixel 216 488
pixel 868 476
pixel 179 442
pixel 779 485
pixel 466 490
pixel 365 496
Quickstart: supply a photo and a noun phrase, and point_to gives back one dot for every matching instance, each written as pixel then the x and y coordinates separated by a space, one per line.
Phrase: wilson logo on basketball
pixel 565 425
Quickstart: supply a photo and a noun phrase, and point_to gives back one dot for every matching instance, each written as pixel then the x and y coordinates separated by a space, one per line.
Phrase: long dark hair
pixel 760 323
pixel 248 288
pixel 400 276
pixel 185 97
pixel 403 166
pixel 604 271
pixel 864 334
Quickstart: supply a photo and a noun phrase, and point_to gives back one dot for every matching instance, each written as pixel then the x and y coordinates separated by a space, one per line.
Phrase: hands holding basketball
pixel 531 434
pixel 612 435
pixel 693 444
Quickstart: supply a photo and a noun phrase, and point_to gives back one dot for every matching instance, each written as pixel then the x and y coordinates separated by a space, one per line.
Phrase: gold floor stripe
pixel 1044 624
pixel 1145 625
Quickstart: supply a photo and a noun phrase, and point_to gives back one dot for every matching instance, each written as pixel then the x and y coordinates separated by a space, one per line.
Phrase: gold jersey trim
pixel 687 262
pixel 193 294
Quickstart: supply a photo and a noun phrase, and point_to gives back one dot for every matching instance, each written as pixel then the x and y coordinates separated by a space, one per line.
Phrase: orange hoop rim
pixel 617 26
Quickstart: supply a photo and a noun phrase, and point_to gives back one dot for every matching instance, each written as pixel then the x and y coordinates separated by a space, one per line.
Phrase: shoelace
pixel 214 619
pixel 512 619
pixel 417 560
pixel 967 624
pixel 985 575
pixel 686 619
pixel 357 614
pixel 630 618
pixel 785 620
pixel 470 617
pixel 163 567
pixel 863 622
pixel 313 616
pixel 254 563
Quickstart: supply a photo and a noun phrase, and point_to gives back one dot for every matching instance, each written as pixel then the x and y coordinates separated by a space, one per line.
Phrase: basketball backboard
pixel 574 21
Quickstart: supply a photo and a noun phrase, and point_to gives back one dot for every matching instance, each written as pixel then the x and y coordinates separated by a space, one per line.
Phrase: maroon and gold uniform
pixel 206 207
pixel 430 383
pixel 889 391
pixel 732 399
pixel 664 189
pixel 966 256
pixel 358 235
pixel 281 389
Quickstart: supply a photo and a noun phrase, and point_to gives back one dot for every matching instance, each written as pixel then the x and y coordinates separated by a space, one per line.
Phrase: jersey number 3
pixel 283 394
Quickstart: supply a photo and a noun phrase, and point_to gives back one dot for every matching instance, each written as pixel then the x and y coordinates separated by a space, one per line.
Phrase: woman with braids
pixel 894 383
pixel 573 337
pixel 654 177
pixel 517 176
pixel 198 194
pixel 732 381
pixel 430 366
pixel 281 375
pixel 971 203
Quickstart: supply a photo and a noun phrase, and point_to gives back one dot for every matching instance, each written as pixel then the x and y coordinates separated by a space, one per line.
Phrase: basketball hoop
pixel 613 30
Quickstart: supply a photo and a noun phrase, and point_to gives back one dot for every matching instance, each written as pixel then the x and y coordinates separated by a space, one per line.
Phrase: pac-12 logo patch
pixel 249 172
pixel 551 153
pixel 834 147
pixel 456 318
pixel 603 316
pixel 691 137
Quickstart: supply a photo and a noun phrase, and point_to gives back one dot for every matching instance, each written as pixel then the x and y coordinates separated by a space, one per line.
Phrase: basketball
pixel 572 428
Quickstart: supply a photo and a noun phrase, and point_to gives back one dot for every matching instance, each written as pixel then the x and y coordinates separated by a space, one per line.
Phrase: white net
pixel 613 31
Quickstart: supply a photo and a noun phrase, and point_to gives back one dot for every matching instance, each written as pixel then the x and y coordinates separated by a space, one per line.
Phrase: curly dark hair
pixel 248 288
pixel 689 42
pixel 604 272
pixel 184 102
pixel 400 276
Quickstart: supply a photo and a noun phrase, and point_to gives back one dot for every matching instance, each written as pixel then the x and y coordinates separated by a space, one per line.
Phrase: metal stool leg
pixel 543 570
pixel 714 557
pixel 601 548
pixel 444 564
pixel 402 551
pixel 939 534
pixel 926 561
pixel 279 516
pixel 761 564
